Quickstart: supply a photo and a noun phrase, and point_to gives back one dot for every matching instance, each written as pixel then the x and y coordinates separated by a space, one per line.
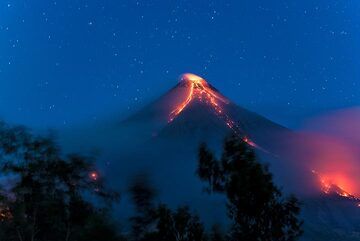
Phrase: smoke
pixel 329 145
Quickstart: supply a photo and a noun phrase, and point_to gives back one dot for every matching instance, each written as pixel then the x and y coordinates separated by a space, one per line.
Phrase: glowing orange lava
pixel 335 185
pixel 199 89
pixel 330 182
pixel 249 142
pixel 94 176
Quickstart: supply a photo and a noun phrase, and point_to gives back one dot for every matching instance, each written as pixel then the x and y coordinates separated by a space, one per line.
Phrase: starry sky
pixel 69 62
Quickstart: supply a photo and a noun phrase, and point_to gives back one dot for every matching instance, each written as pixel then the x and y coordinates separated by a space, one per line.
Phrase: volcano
pixel 163 137
pixel 195 109
pixel 193 112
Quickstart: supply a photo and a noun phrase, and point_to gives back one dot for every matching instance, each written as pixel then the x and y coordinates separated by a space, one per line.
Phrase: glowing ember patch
pixel 5 213
pixel 249 142
pixel 94 176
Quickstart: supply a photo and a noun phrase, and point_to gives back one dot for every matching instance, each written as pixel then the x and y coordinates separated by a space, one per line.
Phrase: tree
pixel 158 222
pixel 45 199
pixel 180 225
pixel 100 227
pixel 142 195
pixel 216 233
pixel 256 207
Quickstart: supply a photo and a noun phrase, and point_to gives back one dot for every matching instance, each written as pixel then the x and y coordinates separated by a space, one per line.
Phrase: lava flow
pixel 330 187
pixel 199 89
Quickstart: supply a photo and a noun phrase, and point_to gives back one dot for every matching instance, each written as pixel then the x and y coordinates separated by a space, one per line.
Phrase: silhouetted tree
pixel 255 205
pixel 216 233
pixel 142 195
pixel 160 223
pixel 180 225
pixel 45 198
pixel 99 227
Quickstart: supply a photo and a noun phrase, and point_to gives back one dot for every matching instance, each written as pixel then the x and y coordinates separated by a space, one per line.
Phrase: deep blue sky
pixel 71 61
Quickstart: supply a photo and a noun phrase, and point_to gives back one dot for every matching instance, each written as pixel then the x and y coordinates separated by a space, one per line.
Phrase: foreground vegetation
pixel 49 196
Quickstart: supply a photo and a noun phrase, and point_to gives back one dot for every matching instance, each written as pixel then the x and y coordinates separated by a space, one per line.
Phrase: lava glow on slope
pixel 332 175
pixel 332 152
pixel 199 89
pixel 334 185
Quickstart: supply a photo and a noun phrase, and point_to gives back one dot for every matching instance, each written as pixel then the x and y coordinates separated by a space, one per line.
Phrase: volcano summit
pixel 199 89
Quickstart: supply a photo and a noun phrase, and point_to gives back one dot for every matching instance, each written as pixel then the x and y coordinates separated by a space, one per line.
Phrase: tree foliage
pixel 216 233
pixel 45 199
pixel 158 222
pixel 256 207
pixel 142 195
pixel 48 196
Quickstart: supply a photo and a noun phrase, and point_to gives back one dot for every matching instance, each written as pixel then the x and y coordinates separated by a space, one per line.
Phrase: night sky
pixel 69 62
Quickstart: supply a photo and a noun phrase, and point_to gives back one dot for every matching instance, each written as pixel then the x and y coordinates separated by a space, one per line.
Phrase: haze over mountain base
pixel 161 140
